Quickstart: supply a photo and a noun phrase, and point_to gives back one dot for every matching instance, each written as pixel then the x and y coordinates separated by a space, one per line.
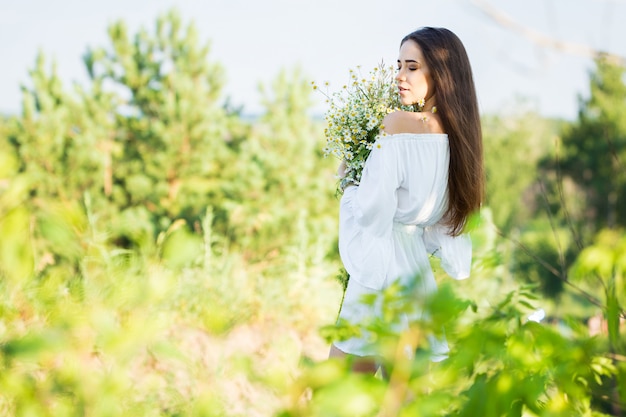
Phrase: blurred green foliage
pixel 162 255
pixel 591 154
pixel 502 364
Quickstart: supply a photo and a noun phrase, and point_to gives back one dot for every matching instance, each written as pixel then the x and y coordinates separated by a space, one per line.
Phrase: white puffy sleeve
pixel 455 252
pixel 366 220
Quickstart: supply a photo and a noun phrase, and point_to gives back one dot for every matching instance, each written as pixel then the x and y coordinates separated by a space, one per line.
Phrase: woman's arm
pixel 373 202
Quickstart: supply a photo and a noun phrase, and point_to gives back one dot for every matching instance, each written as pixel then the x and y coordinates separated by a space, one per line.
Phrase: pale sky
pixel 255 39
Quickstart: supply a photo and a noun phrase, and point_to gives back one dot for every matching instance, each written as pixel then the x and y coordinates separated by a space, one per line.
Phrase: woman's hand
pixel 341 170
pixel 341 173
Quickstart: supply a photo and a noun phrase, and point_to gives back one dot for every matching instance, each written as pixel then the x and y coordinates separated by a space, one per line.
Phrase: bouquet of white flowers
pixel 354 119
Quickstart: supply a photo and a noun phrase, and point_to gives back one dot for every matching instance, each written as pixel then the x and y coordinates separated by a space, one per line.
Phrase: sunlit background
pixel 168 224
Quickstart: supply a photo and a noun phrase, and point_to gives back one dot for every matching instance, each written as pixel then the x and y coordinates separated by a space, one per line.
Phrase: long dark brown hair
pixel 457 106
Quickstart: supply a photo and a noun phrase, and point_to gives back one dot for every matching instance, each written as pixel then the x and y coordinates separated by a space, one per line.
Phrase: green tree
pixel 280 178
pixel 16 254
pixel 590 160
pixel 56 139
pixel 514 144
pixel 516 194
pixel 577 185
pixel 171 140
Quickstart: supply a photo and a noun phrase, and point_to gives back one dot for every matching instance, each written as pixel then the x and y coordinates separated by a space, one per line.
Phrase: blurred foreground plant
pixel 501 364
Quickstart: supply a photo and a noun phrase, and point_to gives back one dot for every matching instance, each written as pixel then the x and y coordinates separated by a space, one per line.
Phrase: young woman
pixel 421 182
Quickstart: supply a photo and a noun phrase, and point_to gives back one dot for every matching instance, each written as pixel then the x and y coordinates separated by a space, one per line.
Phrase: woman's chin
pixel 406 101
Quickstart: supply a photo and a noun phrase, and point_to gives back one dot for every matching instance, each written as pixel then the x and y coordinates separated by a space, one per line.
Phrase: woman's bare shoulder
pixel 412 122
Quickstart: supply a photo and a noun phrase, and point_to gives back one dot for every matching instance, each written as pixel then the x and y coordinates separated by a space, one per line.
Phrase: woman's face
pixel 413 77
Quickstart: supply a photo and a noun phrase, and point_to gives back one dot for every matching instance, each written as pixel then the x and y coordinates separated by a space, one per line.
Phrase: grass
pixel 127 334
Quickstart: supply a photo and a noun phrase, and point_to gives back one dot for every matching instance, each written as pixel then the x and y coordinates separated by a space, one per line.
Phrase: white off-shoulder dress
pixel 392 221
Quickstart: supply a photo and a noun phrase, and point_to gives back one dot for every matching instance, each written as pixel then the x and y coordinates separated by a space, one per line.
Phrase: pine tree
pixel 172 137
pixel 593 154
